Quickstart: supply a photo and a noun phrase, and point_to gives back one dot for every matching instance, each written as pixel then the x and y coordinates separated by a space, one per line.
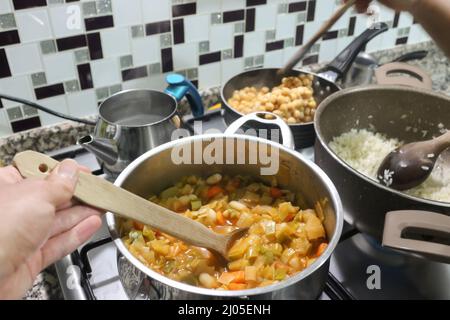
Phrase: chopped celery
pixel 169 192
pixel 238 249
pixel 280 274
pixel 196 204
pixel 238 264
pixel 269 257
pixel 148 233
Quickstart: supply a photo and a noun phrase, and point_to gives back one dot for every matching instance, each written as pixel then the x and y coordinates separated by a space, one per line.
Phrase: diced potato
pixel 314 228
pixel 208 281
pixel 238 264
pixel 238 249
pixel 160 247
pixel 250 273
pixel 301 245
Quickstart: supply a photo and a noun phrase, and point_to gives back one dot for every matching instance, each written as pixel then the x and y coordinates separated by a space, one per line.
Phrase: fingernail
pixel 68 169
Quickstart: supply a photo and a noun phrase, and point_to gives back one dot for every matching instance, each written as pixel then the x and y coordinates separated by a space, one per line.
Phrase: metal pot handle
pixel 412 76
pixel 286 133
pixel 403 228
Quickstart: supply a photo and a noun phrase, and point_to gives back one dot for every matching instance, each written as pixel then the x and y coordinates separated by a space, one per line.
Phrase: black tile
pixel 95 46
pixel 1 104
pixel 195 83
pixel 72 0
pixel 85 76
pixel 330 35
pixel 299 35
pixel 166 60
pixel 49 91
pixel 134 73
pixel 24 4
pixel 238 46
pixel 235 15
pixel 184 9
pixel 71 42
pixel 210 57
pixel 4 65
pixel 9 37
pixel 396 19
pixel 250 20
pixel 178 31
pixel 311 10
pixel 311 60
pixel 351 26
pixel 25 124
pixel 297 6
pixel 403 40
pixel 99 23
pixel 255 2
pixel 276 45
pixel 157 27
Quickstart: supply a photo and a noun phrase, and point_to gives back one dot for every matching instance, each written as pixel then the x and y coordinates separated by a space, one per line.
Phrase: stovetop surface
pixel 359 267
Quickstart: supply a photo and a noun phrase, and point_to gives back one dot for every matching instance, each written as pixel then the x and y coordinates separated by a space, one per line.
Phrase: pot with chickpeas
pixel 295 95
pixel 294 220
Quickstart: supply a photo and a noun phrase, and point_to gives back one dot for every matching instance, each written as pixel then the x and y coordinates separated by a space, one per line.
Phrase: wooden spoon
pixel 323 29
pixel 100 193
pixel 411 164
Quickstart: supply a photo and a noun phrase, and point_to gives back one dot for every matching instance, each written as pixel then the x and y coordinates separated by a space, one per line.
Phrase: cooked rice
pixel 364 151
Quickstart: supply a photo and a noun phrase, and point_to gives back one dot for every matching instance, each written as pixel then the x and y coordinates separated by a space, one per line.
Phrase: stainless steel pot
pixel 132 122
pixel 324 83
pixel 399 112
pixel 155 171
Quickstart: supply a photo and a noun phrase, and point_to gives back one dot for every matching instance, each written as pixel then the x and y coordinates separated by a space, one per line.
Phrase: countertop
pixel 62 135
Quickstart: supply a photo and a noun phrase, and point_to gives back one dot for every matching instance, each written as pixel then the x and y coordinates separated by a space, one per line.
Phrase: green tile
pixel 7 21
pixel 227 54
pixel 203 47
pixel 283 8
pixel 115 88
pixel 55 1
pixel 102 93
pixel 301 17
pixel 72 86
pixel 104 6
pixel 192 74
pixel 81 55
pixel 89 9
pixel 14 113
pixel 259 60
pixel 48 46
pixel 239 27
pixel 165 40
pixel 216 18
pixel 38 79
pixel 137 31
pixel 270 35
pixel 29 111
pixel 249 62
pixel 126 61
pixel 289 42
pixel 154 68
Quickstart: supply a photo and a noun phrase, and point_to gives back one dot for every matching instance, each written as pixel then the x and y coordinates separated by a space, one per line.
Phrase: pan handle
pixel 399 73
pixel 421 232
pixel 286 133
pixel 344 60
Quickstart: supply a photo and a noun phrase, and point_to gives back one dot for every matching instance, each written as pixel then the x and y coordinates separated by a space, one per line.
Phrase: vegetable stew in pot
pixel 282 239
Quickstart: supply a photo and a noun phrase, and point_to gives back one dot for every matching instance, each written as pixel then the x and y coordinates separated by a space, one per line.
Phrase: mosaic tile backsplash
pixel 70 55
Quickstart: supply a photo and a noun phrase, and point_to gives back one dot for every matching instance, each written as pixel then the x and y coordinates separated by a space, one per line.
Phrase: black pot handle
pixel 415 55
pixel 344 60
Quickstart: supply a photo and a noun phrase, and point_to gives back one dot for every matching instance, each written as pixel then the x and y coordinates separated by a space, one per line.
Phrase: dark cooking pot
pixel 324 83
pixel 390 110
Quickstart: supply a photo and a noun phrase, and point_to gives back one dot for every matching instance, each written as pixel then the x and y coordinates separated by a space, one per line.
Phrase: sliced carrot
pixel 220 218
pixel 232 277
pixel 275 192
pixel 138 225
pixel 322 247
pixel 214 191
pixel 237 286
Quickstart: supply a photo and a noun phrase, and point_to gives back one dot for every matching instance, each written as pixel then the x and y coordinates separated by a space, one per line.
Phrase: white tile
pixel 145 50
pixel 5 128
pixel 286 24
pixel 342 23
pixel 231 4
pixel 83 103
pixel 273 59
pixel 66 20
pixel 155 82
pixel 208 6
pixel 324 9
pixel 362 23
pixel 385 13
pixel 254 43
pixel 185 56
pixel 266 17
pixel 116 42
pixel 24 59
pixel 342 43
pixel 221 37
pixel 388 39
pixel 33 25
pixel 327 50
pixel 196 28
pixel 231 68
pixel 209 75
pixel 5 6
pixel 59 67
pixel 153 11
pixel 18 87
pixel 57 104
pixel 127 13
pixel 406 20
pixel 287 54
pixel 418 34
pixel 375 44
pixel 105 72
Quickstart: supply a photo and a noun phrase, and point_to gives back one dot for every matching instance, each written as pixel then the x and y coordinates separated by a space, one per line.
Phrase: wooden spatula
pixel 99 193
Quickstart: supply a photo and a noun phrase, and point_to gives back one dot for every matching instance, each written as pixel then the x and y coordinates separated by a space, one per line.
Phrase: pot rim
pixel 170 116
pixel 329 100
pixel 295 125
pixel 334 197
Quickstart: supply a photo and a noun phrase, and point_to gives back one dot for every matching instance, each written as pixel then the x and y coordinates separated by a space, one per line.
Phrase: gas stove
pixel 359 268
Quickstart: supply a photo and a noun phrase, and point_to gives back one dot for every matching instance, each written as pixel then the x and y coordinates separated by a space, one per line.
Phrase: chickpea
pixel 291 120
